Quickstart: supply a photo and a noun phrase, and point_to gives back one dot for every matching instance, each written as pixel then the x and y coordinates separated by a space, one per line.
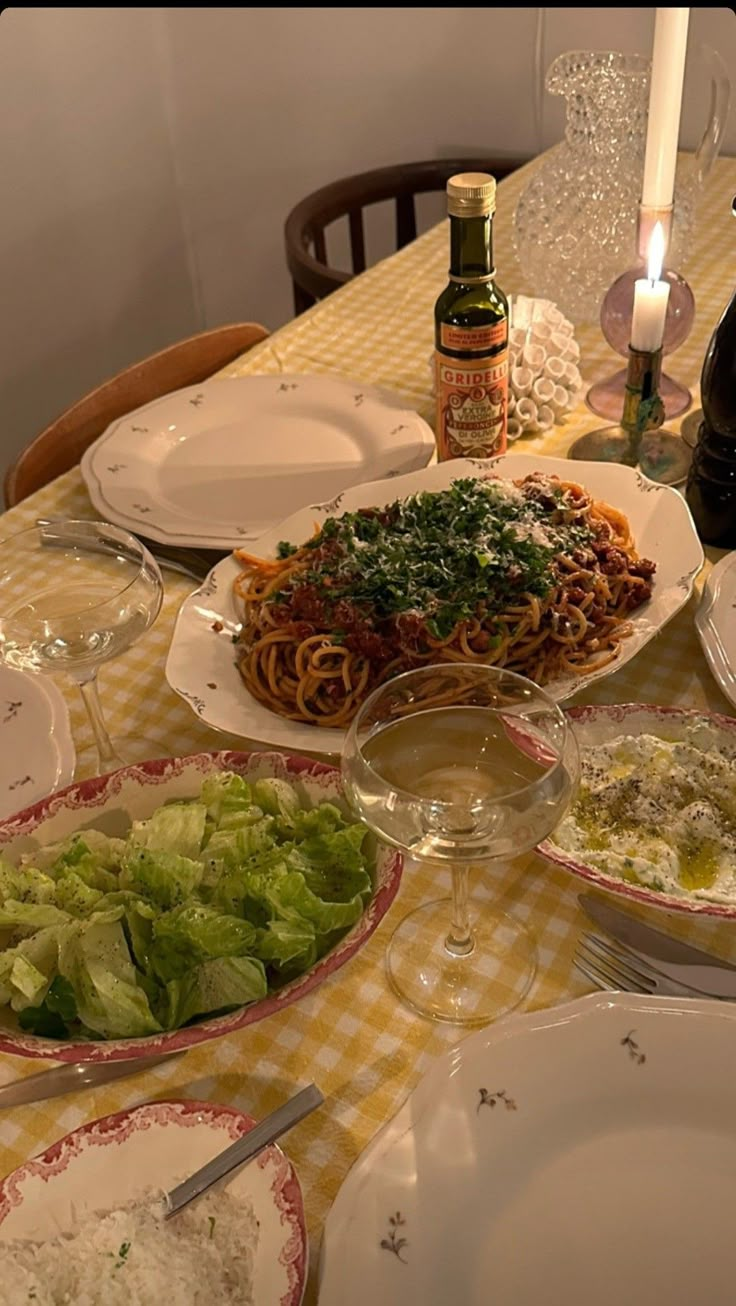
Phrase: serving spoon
pixel 244 1149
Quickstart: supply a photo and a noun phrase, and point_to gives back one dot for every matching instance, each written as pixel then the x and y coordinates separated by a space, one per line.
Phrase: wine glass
pixel 74 594
pixel 461 764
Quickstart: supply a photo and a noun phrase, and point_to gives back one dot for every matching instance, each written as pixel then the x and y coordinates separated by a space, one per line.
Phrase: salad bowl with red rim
pixel 110 803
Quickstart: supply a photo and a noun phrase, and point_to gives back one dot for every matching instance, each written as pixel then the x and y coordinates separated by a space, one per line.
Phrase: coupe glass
pixel 461 765
pixel 74 594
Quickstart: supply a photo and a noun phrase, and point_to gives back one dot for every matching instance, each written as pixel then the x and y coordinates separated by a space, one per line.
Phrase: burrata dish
pixel 658 813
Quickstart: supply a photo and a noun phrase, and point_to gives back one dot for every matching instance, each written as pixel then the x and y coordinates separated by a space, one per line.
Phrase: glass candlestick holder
pixel 638 440
pixel 606 397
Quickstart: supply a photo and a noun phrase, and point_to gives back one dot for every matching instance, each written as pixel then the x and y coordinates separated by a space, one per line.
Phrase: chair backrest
pixel 62 444
pixel 304 231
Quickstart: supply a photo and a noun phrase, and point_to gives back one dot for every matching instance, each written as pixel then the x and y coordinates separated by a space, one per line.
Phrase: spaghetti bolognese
pixel 533 575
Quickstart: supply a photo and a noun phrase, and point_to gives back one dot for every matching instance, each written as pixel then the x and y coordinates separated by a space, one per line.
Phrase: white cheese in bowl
pixel 658 813
pixel 131 1256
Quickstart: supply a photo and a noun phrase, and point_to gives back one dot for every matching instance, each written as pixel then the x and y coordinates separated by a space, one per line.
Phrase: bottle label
pixel 477 340
pixel 472 404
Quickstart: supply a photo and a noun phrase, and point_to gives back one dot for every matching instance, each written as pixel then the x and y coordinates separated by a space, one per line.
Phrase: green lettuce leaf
pixel 110 1002
pixel 29 968
pixel 289 898
pixel 317 820
pixel 226 849
pixel 288 943
pixel 30 915
pixel 165 879
pixel 227 798
pixel 25 884
pixel 139 918
pixel 75 896
pixel 176 828
pixel 92 855
pixel 333 864
pixel 231 893
pixel 52 1017
pixel 29 983
pixel 194 933
pixel 220 985
pixel 277 798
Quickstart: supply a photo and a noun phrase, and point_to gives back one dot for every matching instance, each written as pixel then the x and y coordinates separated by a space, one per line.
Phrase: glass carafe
pixel 576 220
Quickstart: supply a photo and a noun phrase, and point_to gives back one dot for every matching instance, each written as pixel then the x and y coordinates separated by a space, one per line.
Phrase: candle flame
pixel 656 253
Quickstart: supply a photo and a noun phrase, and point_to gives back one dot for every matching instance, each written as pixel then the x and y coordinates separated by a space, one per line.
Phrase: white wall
pixel 148 157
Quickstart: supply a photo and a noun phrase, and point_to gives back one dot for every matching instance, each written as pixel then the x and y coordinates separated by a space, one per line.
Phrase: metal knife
pixel 680 962
pixel 70 1078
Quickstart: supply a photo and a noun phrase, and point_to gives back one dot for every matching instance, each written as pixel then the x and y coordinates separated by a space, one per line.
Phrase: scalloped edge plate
pixel 171 468
pixel 201 666
pixel 715 622
pixel 580 1154
pixel 37 753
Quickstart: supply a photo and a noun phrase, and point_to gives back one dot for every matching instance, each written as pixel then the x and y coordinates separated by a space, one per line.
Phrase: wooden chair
pixel 62 444
pixel 304 232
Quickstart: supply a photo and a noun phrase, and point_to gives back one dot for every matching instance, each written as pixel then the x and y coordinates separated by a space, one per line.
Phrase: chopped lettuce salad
pixel 206 906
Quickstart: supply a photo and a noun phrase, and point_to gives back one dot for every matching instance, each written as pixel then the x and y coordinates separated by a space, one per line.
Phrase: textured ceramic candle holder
pixel 638 440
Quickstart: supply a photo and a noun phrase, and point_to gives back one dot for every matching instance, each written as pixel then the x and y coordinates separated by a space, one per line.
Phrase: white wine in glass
pixel 461 765
pixel 74 594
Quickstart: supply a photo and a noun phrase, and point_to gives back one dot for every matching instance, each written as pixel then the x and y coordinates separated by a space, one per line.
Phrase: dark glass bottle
pixel 711 485
pixel 471 329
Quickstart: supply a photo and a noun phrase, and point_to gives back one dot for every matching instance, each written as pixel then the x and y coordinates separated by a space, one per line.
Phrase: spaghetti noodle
pixel 532 575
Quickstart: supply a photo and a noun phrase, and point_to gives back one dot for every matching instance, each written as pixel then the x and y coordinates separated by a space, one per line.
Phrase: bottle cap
pixel 471 195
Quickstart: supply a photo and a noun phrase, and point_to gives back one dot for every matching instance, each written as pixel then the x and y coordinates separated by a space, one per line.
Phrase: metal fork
pixel 609 967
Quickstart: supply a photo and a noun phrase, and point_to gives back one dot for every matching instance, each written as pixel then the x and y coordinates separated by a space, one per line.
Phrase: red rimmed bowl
pixel 603 724
pixel 110 803
pixel 139 1152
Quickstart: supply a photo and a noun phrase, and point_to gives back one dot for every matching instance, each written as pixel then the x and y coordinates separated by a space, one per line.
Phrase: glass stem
pixel 108 759
pixel 460 942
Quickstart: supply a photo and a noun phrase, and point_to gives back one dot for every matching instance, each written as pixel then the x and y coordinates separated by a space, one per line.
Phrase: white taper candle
pixel 650 299
pixel 665 104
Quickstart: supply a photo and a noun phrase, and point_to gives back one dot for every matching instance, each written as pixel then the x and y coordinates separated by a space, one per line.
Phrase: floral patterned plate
pixel 149 1149
pixel 715 622
pixel 36 747
pixel 218 463
pixel 201 665
pixel 584 1154
pixel 110 803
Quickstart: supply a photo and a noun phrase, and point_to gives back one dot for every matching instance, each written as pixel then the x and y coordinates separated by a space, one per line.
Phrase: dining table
pixel 352 1035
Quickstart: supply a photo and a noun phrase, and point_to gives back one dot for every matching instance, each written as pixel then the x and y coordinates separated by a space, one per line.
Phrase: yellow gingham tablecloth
pixel 352 1036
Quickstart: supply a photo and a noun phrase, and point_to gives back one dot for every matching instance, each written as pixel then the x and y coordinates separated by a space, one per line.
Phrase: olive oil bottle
pixel 471 329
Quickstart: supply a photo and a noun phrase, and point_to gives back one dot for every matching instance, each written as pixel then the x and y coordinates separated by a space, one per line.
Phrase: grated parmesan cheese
pixel 132 1257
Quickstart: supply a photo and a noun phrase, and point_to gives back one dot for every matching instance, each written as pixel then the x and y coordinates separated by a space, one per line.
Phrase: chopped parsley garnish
pixel 284 549
pixel 445 554
pixel 123 1250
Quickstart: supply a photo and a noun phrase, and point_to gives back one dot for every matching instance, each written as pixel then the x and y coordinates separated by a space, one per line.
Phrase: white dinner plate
pixel 218 463
pixel 149 1149
pixel 715 622
pixel 36 747
pixel 580 1156
pixel 201 664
